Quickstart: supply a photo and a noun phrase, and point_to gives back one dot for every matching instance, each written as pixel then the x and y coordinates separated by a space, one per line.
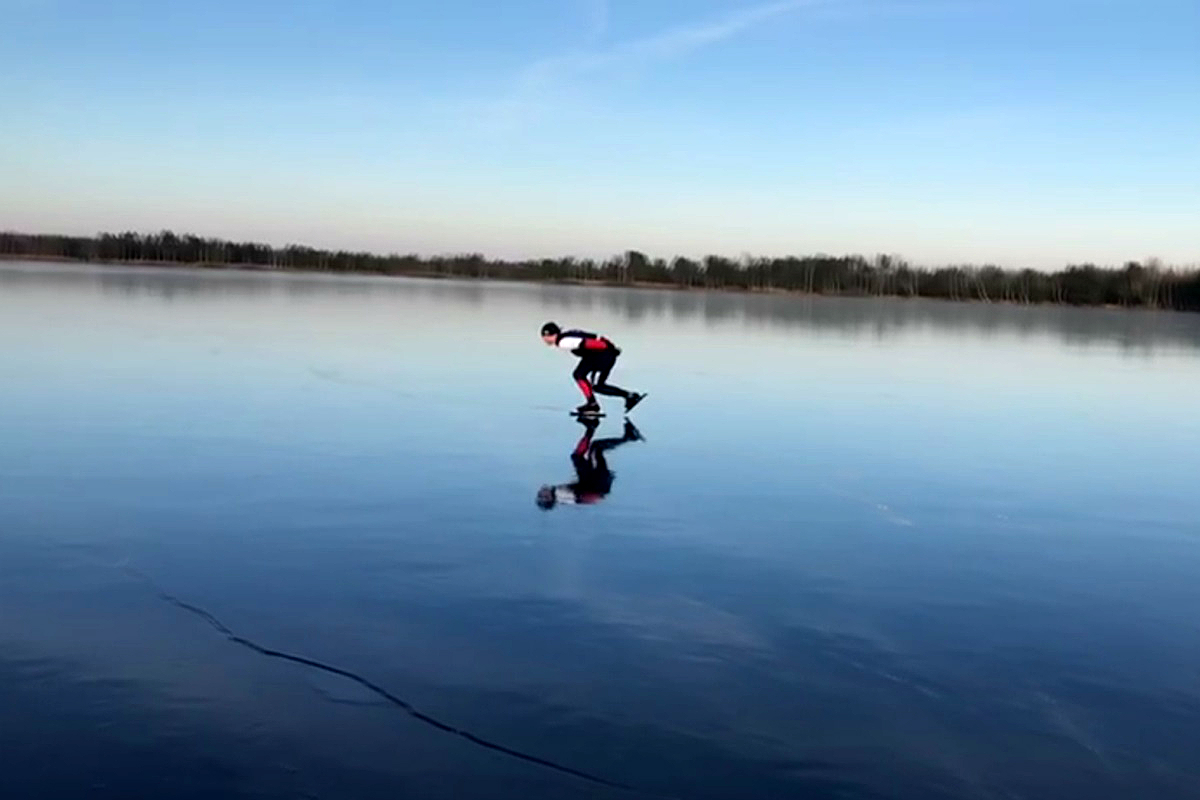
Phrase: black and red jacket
pixel 582 343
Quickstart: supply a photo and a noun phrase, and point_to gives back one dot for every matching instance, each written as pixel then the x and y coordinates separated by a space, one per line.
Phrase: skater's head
pixel 546 498
pixel 550 333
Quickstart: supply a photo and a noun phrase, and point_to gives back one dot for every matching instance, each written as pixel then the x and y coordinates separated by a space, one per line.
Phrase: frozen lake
pixel 276 536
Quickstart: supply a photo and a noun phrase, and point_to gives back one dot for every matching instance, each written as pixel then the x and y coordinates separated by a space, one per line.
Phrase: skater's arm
pixel 576 342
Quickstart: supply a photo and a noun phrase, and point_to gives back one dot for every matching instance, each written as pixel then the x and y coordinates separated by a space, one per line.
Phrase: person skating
pixel 597 357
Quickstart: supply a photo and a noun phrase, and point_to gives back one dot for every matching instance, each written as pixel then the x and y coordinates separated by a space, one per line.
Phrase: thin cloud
pixel 679 42
pixel 547 80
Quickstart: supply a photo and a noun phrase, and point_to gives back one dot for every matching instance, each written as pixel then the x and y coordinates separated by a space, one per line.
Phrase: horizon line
pixel 743 258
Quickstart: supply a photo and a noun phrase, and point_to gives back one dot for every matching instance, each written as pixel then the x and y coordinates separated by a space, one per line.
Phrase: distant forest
pixel 1147 285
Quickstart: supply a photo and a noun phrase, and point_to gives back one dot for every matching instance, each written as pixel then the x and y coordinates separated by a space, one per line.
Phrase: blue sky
pixel 1007 131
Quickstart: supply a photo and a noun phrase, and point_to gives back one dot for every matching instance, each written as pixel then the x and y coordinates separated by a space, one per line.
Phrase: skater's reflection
pixel 593 479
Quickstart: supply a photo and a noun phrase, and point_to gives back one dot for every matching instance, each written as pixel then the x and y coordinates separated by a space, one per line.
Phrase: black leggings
pixel 592 375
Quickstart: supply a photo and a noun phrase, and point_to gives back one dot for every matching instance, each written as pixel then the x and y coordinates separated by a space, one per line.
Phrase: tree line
pixel 1137 284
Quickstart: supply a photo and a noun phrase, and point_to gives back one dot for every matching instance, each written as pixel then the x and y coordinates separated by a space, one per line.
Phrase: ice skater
pixel 597 357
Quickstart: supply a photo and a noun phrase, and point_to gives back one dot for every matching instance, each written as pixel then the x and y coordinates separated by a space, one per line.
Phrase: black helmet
pixel 550 329
pixel 546 498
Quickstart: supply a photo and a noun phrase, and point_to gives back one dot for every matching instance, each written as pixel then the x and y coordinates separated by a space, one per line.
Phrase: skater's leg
pixel 602 386
pixel 610 390
pixel 583 382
